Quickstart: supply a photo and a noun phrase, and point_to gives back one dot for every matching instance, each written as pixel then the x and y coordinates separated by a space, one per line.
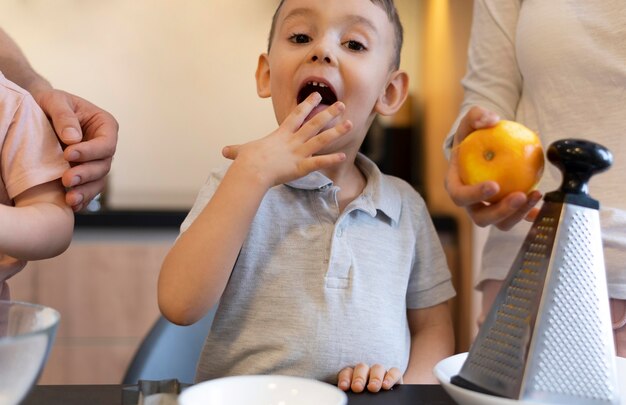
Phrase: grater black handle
pixel 578 160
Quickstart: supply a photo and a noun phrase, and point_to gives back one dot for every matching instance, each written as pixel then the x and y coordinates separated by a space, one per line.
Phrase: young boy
pixel 35 222
pixel 323 267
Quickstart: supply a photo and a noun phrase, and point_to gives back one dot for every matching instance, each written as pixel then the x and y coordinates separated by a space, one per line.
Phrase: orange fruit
pixel 508 153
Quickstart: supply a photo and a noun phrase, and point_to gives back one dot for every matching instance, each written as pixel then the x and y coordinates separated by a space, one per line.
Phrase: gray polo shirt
pixel 315 290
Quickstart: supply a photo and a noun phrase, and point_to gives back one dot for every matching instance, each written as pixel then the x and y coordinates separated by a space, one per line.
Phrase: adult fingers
pixel 59 107
pixel 524 212
pixel 86 172
pixel 476 118
pixel 467 195
pixel 99 139
pixel 344 378
pixel 359 377
pixel 377 374
pixel 79 197
pixel 231 151
pixel 464 195
pixel 392 377
pixel 514 207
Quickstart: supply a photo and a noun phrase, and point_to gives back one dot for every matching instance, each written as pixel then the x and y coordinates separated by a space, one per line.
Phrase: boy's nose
pixel 326 59
pixel 323 55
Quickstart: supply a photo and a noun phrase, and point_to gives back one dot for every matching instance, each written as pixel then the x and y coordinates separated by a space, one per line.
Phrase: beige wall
pixel 178 76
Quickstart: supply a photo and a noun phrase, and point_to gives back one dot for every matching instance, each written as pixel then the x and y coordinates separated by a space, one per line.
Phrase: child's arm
pixel 197 268
pixel 432 340
pixel 39 226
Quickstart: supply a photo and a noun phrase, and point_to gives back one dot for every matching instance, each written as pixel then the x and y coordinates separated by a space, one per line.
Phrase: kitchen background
pixel 179 78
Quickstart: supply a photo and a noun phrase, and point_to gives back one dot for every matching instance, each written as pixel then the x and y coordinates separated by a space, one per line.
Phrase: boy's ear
pixel 394 94
pixel 263 76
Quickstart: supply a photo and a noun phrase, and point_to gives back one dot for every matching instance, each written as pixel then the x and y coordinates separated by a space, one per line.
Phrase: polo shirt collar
pixel 379 194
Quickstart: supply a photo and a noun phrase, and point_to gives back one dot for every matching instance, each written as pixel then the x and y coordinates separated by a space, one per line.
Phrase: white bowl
pixel 262 390
pixel 26 335
pixel 448 368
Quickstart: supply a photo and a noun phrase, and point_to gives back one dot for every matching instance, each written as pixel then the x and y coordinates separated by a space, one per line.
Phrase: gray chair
pixel 169 351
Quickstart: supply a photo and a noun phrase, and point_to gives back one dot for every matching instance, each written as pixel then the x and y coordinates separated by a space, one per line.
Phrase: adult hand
pixel 90 134
pixel 505 213
pixel 373 378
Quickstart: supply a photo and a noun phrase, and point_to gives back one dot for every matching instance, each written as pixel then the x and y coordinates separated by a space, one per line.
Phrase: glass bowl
pixel 26 335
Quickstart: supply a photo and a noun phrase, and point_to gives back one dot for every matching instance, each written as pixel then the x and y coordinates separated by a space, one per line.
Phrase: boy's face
pixel 343 49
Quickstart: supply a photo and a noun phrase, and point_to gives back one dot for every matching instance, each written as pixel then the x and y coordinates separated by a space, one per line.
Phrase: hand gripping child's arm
pixel 197 268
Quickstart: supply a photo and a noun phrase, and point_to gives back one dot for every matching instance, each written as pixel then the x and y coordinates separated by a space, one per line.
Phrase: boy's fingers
pixel 377 374
pixel 392 377
pixel 359 377
pixel 315 163
pixel 344 378
pixel 317 123
pixel 313 145
pixel 294 120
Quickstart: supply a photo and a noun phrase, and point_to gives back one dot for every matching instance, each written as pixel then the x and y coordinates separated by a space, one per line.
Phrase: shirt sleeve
pixel 31 153
pixel 493 80
pixel 204 196
pixel 430 282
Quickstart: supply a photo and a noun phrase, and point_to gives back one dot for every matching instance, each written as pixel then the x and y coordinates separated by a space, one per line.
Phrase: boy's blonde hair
pixel 392 14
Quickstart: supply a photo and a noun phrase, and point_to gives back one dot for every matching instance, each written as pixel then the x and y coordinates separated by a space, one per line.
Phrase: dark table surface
pixel 112 395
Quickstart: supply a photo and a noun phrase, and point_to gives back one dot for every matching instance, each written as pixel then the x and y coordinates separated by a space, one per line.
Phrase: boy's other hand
pixel 290 152
pixel 373 378
pixel 503 214
pixel 91 136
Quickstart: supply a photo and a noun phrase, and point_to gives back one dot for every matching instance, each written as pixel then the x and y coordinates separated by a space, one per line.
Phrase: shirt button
pixel 339 232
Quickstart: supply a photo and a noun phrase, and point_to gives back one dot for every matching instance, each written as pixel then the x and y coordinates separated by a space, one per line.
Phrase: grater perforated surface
pixel 499 357
pixel 571 358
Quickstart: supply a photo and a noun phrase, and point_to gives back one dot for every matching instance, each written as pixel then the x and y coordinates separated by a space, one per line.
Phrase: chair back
pixel 169 351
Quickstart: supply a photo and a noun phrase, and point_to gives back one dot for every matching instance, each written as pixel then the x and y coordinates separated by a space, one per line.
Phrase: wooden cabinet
pixel 104 286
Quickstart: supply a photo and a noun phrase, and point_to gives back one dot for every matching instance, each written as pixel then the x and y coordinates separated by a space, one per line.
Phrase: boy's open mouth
pixel 328 95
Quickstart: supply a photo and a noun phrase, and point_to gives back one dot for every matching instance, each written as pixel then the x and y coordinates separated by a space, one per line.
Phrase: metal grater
pixel 548 336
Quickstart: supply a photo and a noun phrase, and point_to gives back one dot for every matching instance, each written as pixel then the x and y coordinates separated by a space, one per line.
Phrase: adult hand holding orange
pixel 507 208
pixel 508 153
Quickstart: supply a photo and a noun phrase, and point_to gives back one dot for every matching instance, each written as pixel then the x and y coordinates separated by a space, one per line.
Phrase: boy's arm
pixel 39 226
pixel 195 271
pixel 432 340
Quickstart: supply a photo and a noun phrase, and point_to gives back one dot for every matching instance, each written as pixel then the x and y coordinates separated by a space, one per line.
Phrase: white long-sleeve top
pixel 559 67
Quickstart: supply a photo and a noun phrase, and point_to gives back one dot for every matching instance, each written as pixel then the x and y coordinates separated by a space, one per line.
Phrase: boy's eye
pixel 354 45
pixel 299 38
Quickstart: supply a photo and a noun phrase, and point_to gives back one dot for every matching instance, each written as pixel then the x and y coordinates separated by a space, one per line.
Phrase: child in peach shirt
pixel 35 222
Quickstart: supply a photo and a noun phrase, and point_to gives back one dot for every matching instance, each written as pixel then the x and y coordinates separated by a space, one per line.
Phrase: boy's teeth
pixel 318 84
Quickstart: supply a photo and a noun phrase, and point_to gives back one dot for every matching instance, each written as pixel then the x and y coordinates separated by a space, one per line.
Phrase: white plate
pixel 447 368
pixel 262 390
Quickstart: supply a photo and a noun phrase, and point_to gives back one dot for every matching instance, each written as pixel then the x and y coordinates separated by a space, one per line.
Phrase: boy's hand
pixel 373 378
pixel 505 213
pixel 289 152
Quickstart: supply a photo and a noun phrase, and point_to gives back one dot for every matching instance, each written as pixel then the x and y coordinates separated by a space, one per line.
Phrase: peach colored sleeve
pixel 31 154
